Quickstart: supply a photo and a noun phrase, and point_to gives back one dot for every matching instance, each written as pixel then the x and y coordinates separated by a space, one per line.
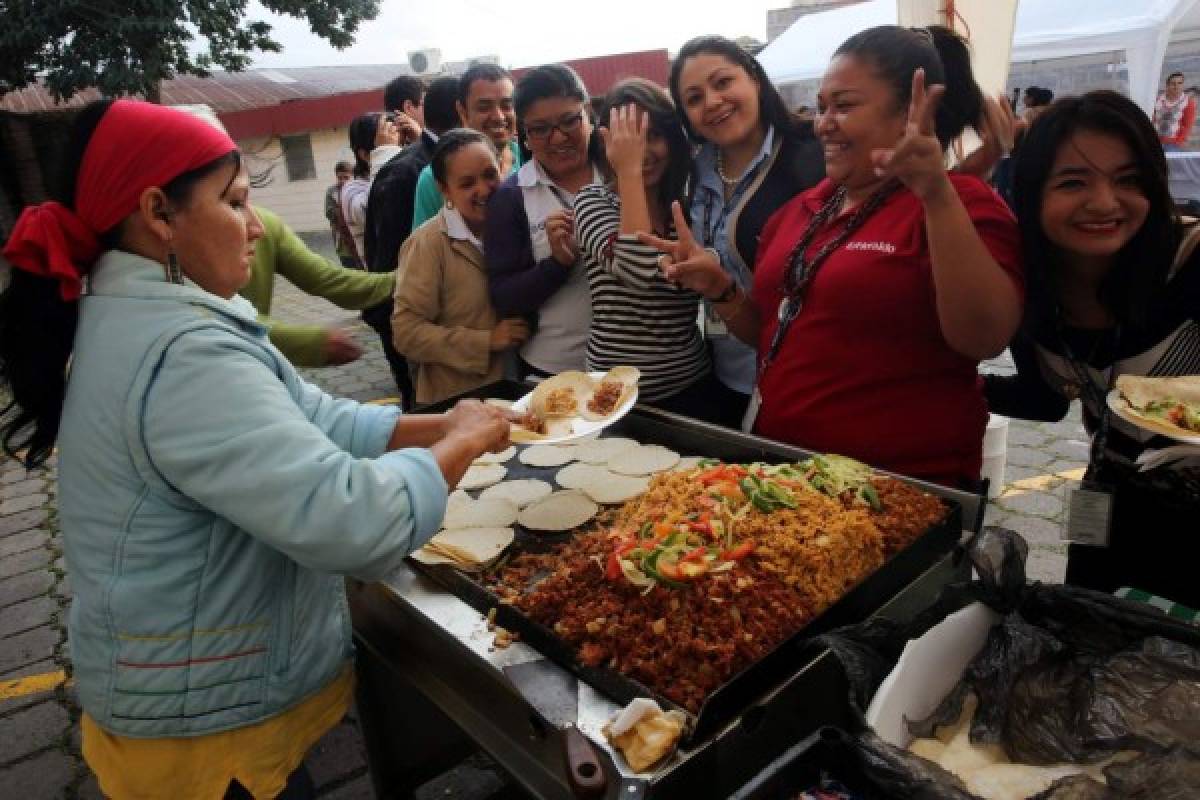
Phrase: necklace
pixel 725 179
pixel 800 270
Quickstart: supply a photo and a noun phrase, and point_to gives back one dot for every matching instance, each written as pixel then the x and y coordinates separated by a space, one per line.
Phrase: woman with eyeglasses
pixel 533 260
pixel 753 158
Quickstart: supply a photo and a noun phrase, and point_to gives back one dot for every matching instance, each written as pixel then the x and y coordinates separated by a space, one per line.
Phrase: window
pixel 297 152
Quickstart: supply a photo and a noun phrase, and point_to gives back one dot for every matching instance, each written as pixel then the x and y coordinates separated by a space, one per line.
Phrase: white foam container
pixel 995 453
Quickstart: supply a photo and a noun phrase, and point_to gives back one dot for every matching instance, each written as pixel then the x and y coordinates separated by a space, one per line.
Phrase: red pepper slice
pixel 613 569
pixel 696 555
pixel 738 553
pixel 700 527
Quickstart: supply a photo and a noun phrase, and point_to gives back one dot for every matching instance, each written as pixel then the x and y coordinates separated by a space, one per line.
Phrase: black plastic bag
pixel 1068 675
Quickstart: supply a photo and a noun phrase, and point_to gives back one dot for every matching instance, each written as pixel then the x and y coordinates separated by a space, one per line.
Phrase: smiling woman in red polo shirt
pixel 877 292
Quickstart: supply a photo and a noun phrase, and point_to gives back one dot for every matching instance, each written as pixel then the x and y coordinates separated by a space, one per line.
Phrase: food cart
pixel 432 686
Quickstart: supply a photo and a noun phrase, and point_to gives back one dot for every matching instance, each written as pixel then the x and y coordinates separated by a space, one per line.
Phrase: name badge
pixel 752 411
pixel 1089 515
pixel 713 324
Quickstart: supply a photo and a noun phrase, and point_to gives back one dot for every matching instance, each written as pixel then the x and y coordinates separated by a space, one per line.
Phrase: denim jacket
pixel 210 500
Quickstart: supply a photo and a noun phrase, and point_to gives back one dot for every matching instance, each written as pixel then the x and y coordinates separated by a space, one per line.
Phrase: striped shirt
pixel 638 318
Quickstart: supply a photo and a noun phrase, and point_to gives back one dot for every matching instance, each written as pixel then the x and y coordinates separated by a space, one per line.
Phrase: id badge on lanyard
pixel 1090 505
pixel 1089 514
pixel 713 324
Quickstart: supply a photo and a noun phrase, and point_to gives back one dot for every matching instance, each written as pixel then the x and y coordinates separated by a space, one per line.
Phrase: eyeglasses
pixel 566 125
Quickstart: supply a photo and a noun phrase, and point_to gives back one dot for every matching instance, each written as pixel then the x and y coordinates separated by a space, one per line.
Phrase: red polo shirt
pixel 864 370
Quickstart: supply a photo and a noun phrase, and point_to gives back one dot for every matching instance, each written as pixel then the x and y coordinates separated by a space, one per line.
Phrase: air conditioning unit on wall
pixel 426 61
pixel 488 59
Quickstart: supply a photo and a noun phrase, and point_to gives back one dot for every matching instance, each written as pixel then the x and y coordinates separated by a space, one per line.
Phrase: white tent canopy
pixel 1045 29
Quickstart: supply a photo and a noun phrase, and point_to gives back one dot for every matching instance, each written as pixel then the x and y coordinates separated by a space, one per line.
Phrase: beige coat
pixel 443 318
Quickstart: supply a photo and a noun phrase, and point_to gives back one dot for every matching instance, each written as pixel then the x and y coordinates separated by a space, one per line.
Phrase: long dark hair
pixel 1142 265
pixel 363 130
pixel 654 100
pixel 37 327
pixel 553 80
pixel 771 108
pixel 895 53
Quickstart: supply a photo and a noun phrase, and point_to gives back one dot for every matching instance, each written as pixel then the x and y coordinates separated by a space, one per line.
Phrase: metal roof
pixel 265 102
pixel 232 91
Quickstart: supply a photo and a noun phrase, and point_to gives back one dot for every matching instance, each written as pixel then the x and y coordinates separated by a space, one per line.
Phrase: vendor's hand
pixel 625 140
pixel 340 347
pixel 508 333
pixel 917 160
pixel 483 426
pixel 685 263
pixel 407 127
pixel 560 231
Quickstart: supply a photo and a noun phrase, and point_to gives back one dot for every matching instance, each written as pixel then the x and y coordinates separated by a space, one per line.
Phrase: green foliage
pixel 129 47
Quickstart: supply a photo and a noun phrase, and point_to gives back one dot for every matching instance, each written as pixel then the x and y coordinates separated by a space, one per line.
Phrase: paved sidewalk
pixel 39 739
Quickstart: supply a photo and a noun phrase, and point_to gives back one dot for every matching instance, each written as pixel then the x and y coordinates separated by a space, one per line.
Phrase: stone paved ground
pixel 39 739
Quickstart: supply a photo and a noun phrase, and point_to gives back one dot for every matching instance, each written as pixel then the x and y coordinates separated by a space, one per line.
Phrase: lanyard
pixel 800 270
pixel 1095 392
pixel 560 196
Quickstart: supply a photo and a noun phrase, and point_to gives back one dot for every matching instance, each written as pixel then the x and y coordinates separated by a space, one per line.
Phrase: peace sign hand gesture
pixel 625 140
pixel 917 160
pixel 685 263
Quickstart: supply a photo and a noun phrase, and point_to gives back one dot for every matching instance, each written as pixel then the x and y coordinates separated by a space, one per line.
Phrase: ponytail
pixel 363 130
pixel 37 326
pixel 962 104
pixel 896 53
pixel 37 332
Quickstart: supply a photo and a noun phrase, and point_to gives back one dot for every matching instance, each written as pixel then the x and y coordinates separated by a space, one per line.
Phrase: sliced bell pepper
pixel 738 553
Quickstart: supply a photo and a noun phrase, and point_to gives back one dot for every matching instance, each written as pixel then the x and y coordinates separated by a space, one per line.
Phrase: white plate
pixel 1119 407
pixel 581 427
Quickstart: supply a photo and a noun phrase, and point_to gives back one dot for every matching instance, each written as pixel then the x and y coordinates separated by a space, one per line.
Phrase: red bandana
pixel 135 146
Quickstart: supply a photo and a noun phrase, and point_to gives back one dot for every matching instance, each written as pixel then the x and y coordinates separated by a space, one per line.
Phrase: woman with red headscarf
pixel 209 499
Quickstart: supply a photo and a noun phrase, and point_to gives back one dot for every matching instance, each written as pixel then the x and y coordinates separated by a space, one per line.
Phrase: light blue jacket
pixel 209 501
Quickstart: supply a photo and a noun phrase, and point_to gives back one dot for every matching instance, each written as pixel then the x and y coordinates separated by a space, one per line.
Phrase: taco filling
pixel 606 397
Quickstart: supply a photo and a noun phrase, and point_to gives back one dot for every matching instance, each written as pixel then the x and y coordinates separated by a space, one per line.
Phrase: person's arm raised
pixel 978 303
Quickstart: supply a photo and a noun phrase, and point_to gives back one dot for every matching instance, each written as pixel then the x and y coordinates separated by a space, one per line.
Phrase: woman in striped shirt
pixel 638 317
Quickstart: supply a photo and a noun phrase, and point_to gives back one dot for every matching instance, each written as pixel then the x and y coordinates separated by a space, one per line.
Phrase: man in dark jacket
pixel 390 209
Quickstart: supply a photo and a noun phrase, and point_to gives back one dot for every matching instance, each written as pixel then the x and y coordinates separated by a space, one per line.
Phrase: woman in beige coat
pixel 443 318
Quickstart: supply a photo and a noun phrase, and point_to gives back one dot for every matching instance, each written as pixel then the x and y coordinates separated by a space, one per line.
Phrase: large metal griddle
pixel 691 437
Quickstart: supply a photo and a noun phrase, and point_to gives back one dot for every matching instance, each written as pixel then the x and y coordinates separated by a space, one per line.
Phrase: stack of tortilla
pixel 475 533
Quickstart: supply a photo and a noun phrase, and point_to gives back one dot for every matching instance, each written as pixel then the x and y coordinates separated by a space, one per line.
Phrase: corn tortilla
pixel 608 487
pixel 544 455
pixel 496 458
pixel 643 460
pixel 560 511
pixel 601 450
pixel 493 512
pixel 478 476
pixel 521 492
